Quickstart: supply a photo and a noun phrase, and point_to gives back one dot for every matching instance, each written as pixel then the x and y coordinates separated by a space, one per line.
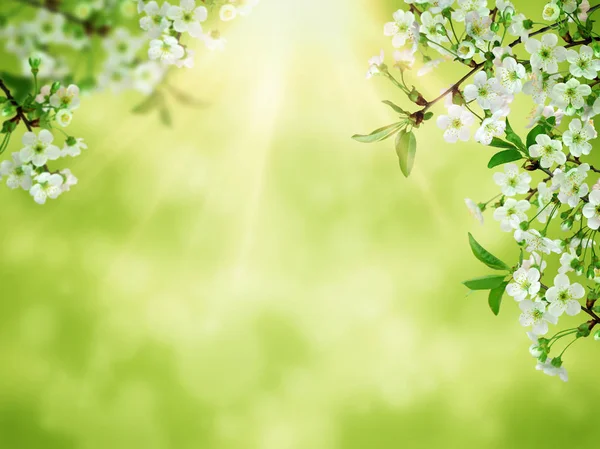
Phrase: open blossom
pixel 545 195
pixel 375 65
pixel 567 260
pixel 545 54
pixel 551 11
pixel 478 26
pixel 511 181
pixel 17 172
pixel 582 63
pixel 570 95
pixel 187 17
pixel 577 137
pixel 66 97
pixel 474 210
pixel 563 296
pixel 491 127
pixel 401 29
pixel 571 185
pixel 39 149
pixel 457 124
pixel 155 22
pixel 591 210
pixel 484 90
pixel 430 24
pixel 535 315
pixel 535 242
pixel 166 49
pixel 526 284
pixel 511 214
pixel 227 13
pixel 548 368
pixel 467 6
pixel 511 74
pixel 548 150
pixel 46 186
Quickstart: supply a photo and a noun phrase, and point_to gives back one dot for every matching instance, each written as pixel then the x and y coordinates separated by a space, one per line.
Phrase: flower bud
pixel 9 110
pixel 590 274
pixel 577 216
pixel 556 362
pixel 579 270
pixel 597 335
pixel 583 330
pixel 524 225
pixel 528 24
pixel 566 225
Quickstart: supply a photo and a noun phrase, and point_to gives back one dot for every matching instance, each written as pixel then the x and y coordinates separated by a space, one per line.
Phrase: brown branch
pixel 20 114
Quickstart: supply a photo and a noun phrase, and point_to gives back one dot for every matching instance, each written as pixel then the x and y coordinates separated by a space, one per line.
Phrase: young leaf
pixel 495 297
pixel 512 137
pixel 535 131
pixel 149 103
pixel 406 148
pixel 395 107
pixel 484 256
pixel 379 134
pixel 485 282
pixel 499 143
pixel 165 116
pixel 504 157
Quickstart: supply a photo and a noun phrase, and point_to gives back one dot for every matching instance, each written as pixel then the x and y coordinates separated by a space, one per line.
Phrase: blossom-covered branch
pixel 559 72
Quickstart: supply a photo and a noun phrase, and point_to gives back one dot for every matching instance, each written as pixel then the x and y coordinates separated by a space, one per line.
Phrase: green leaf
pixel 504 157
pixel 19 86
pixel 499 143
pixel 485 282
pixel 535 131
pixel 147 104
pixel 495 297
pixel 512 137
pixel 165 116
pixel 406 148
pixel 379 134
pixel 395 107
pixel 486 257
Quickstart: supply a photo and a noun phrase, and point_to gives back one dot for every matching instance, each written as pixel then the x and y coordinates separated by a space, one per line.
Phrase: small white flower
pixel 474 210
pixel 512 182
pixel 39 149
pixel 69 180
pixel 549 151
pixel 552 370
pixel 227 13
pixel 187 17
pixel 44 94
pixel 404 59
pixel 64 117
pixel 456 124
pixel 539 86
pixel 511 214
pixel 535 315
pixel 551 12
pixel 214 40
pixel 536 243
pixel 491 127
pixel 66 97
pixel 571 184
pixel 146 76
pixel 563 296
pixel 48 27
pixel 566 261
pixel 401 29
pixel 46 186
pixel 155 22
pixel 583 63
pixel 484 90
pixel 577 136
pixel 570 95
pixel 526 284
pixel 375 65
pixel 545 55
pixel 545 195
pixel 429 66
pixel 430 25
pixel 121 46
pixel 535 261
pixel 591 210
pixel 74 149
pixel 466 50
pixel 17 172
pixel 166 49
pixel 511 75
pixel 467 6
pixel 478 26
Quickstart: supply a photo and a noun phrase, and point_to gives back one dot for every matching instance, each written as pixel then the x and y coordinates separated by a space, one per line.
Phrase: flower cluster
pixel 28 168
pixel 548 197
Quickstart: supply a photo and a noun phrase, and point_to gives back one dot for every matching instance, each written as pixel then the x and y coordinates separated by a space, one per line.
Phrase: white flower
pixel 484 90
pixel 545 195
pixel 214 41
pixel 474 210
pixel 66 97
pixel 437 6
pixel 456 124
pixel 511 75
pixel 403 59
pixel 535 349
pixel 545 55
pixel 187 61
pixel 429 66
pixel 121 46
pixel 591 210
pixel 571 184
pixel 375 65
pixel 69 180
pixel 73 149
pixel 552 370
pixel 48 27
pixel 535 315
pixel 155 22
pixel 539 86
pixel 64 117
pixel 430 25
pixel 566 261
pixel 535 242
pixel 563 296
pixel 570 95
pixel 517 27
pixel 17 172
pixel 490 127
pixel 147 75
pixel 526 284
pixel 466 50
pixel 535 260
pixel 577 136
pixel 512 182
pixel 186 17
pixel 244 7
pixel 227 13
pixel 166 49
pixel 47 185
pixel 549 151
pixel 467 6
pixel 551 11
pixel 39 149
pixel 401 29
pixel 478 26
pixel 511 214
pixel 583 63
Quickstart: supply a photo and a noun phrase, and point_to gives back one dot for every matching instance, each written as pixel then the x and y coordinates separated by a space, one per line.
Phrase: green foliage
pixel 513 138
pixel 485 256
pixel 495 297
pixel 485 282
pixel 379 134
pixel 504 157
pixel 406 149
pixel 499 143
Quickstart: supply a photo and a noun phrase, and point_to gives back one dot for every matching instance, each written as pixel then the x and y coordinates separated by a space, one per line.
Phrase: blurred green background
pixel 252 278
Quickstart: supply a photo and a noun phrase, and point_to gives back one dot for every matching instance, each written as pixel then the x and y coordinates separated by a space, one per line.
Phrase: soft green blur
pixel 252 278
